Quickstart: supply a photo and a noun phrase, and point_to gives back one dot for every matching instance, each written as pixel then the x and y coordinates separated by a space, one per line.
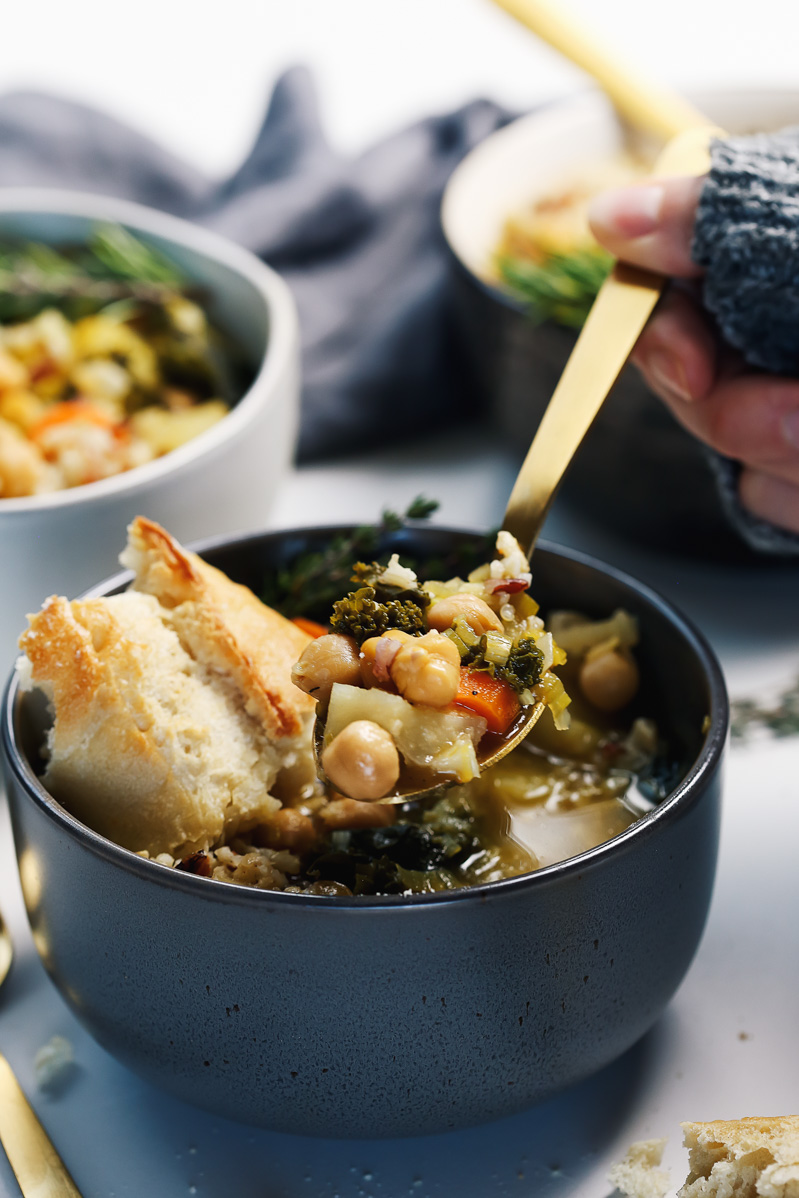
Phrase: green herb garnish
pixel 780 718
pixel 81 280
pixel 120 255
pixel 431 850
pixel 311 584
pixel 362 615
pixel 522 670
pixel 561 289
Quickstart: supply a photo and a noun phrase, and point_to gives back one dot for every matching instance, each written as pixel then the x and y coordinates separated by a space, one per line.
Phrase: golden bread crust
pixel 780 1133
pixel 757 1156
pixel 131 750
pixel 176 723
pixel 226 626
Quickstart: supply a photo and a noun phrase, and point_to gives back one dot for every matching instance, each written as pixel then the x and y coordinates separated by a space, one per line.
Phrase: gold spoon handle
pixel 635 98
pixel 621 309
pixel 37 1166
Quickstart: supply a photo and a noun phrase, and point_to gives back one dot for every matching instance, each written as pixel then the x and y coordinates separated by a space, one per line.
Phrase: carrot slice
pixel 68 410
pixel 492 698
pixel 310 626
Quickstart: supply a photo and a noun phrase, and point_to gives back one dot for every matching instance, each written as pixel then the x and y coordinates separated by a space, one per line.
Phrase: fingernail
pixel 667 371
pixel 790 428
pixel 627 212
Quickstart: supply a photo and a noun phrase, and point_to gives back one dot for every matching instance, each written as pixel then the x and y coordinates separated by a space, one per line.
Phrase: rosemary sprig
pixel 561 289
pixel 125 257
pixel 114 265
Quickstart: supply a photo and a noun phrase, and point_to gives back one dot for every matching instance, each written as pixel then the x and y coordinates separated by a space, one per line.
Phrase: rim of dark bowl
pixel 687 792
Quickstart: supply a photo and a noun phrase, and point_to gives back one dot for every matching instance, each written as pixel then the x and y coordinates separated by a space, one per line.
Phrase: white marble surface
pixel 721 1050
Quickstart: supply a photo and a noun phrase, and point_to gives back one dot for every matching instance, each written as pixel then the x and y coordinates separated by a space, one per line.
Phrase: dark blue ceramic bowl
pixel 386 1016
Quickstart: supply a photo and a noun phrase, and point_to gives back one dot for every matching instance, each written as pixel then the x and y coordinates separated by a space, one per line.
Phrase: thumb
pixel 650 224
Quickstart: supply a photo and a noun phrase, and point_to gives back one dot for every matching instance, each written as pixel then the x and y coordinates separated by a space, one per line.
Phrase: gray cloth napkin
pixel 358 240
pixel 360 244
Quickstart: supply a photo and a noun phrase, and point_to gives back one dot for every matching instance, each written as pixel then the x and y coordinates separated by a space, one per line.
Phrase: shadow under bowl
pixel 389 1016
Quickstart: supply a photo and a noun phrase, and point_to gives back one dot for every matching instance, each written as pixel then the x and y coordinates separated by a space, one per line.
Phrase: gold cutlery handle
pixel 622 307
pixel 37 1166
pixel 635 98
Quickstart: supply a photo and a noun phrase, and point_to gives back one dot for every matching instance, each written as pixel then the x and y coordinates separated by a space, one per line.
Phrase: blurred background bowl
pixel 387 1016
pixel 638 471
pixel 224 479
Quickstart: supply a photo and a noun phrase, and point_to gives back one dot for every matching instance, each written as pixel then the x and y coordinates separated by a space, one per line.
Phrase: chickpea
pixel 328 659
pixel 471 608
pixel 609 681
pixel 427 670
pixel 362 761
pixel 368 651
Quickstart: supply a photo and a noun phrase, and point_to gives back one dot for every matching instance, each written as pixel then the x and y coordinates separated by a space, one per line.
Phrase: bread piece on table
pixel 743 1158
pixel 639 1175
pixel 175 719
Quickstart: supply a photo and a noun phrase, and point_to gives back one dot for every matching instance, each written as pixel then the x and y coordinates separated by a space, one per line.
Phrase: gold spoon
pixel 625 301
pixel 37 1166
pixel 622 307
pixel 636 98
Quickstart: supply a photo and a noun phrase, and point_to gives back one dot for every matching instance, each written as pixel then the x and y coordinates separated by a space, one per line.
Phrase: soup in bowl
pixel 351 1014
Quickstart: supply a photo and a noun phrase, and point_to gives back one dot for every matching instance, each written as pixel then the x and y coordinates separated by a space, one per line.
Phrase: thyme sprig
pixel 312 583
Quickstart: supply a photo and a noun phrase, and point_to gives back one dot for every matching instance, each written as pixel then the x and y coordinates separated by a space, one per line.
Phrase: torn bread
pixel 744 1158
pixel 175 719
pixel 225 626
pixel 639 1175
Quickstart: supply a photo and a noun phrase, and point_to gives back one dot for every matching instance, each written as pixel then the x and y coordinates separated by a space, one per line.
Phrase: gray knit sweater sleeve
pixel 747 238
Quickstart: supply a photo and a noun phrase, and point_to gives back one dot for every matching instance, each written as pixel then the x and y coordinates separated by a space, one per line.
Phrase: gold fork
pixel 37 1166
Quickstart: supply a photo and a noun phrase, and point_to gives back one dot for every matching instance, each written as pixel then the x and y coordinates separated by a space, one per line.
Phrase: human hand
pixel 746 415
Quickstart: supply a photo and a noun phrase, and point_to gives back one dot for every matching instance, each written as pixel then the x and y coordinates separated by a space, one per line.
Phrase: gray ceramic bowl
pixel 386 1016
pixel 638 471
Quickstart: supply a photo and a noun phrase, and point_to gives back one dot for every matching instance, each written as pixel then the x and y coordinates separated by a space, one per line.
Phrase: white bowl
pixel 638 471
pixel 529 157
pixel 224 480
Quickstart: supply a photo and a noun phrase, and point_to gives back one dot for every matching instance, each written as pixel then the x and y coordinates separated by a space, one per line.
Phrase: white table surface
pixel 724 1048
pixel 196 80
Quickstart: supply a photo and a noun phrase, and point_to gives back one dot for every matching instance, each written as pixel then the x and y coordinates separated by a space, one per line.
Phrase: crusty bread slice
pixel 225 626
pixel 176 723
pixel 147 746
pixel 743 1158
